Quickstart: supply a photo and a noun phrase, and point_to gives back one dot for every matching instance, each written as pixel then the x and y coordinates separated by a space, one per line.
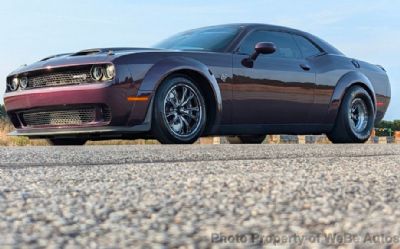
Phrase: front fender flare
pixel 162 69
pixel 345 82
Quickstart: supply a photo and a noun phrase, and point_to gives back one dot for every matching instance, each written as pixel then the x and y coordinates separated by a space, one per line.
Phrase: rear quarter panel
pixel 380 81
pixel 332 83
pixel 329 70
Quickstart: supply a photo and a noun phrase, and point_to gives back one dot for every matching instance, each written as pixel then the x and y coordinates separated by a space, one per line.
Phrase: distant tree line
pixel 386 128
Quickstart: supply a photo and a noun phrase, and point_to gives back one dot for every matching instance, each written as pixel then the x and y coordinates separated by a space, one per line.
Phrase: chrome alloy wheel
pixel 182 110
pixel 358 115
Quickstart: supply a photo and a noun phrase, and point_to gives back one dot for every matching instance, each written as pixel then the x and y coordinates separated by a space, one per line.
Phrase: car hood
pixel 88 56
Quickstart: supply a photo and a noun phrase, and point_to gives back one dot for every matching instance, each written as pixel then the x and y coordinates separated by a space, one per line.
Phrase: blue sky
pixel 31 30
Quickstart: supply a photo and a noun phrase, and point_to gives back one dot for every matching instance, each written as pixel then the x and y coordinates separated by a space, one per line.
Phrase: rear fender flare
pixel 345 82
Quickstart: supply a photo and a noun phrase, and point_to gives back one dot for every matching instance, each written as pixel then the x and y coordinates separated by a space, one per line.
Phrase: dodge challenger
pixel 237 80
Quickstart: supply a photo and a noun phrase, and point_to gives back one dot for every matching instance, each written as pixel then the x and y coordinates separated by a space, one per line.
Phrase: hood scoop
pixel 87 52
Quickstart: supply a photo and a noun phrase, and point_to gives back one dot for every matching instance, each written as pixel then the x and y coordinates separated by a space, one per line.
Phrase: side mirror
pixel 263 48
pixel 260 48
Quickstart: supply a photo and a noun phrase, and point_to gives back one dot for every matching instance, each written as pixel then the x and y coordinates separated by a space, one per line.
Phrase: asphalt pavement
pixel 200 196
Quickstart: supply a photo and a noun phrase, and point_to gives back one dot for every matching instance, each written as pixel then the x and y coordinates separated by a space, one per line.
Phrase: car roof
pixel 256 25
pixel 251 26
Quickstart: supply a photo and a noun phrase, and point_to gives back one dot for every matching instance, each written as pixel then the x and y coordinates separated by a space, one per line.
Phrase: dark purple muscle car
pixel 242 80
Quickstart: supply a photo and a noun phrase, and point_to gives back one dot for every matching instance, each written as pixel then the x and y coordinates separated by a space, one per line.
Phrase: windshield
pixel 208 39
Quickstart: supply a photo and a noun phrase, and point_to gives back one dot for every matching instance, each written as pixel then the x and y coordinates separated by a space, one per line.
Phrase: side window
pixel 284 42
pixel 307 48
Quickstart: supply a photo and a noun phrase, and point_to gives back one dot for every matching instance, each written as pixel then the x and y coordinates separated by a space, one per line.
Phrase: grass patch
pixel 6 127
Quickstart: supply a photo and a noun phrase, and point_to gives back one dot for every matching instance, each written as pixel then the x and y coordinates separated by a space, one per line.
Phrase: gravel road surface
pixel 200 196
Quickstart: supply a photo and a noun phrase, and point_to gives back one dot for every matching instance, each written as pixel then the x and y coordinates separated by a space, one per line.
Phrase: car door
pixel 278 88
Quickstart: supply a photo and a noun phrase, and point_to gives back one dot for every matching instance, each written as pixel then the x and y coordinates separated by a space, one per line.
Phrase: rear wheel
pixel 355 119
pixel 179 111
pixel 255 139
pixel 66 141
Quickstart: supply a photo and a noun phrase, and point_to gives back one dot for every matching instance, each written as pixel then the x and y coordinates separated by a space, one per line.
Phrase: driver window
pixel 284 42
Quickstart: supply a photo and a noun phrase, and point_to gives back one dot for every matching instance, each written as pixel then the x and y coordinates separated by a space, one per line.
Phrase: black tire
pixel 66 141
pixel 174 121
pixel 348 128
pixel 255 139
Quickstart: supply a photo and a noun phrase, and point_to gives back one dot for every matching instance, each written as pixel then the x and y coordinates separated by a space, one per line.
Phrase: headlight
pixel 97 73
pixel 14 84
pixel 23 82
pixel 110 72
pixel 103 72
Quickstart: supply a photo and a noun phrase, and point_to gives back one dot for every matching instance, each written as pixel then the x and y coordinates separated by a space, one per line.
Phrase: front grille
pixel 75 117
pixel 60 79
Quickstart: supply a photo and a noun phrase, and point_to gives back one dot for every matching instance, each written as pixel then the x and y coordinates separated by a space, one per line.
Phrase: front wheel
pixel 179 115
pixel 66 141
pixel 355 119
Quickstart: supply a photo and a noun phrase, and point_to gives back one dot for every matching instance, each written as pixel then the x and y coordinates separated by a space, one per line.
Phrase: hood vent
pixel 87 52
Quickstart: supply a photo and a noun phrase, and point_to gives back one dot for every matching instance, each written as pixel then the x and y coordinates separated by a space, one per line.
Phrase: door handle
pixel 305 67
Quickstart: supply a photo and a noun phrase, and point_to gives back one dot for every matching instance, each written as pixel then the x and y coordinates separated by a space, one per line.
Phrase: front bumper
pixel 114 97
pixel 108 131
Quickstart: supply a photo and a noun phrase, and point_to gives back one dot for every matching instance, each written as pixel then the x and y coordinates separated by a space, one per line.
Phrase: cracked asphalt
pixel 200 196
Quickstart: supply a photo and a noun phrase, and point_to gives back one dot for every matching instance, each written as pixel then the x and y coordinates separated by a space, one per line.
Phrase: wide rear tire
pixel 179 115
pixel 355 119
